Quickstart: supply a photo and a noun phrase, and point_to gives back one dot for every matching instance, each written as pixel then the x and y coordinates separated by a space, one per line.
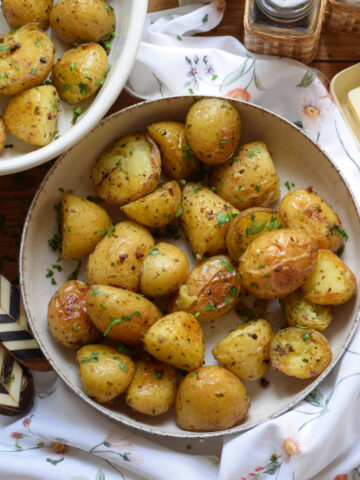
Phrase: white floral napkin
pixel 63 438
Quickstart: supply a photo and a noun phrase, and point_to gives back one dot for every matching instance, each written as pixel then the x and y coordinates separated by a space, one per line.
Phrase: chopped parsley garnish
pixel 227 265
pixel 257 188
pixel 223 218
pixel 196 188
pixel 300 305
pixel 66 87
pixel 210 306
pixel 255 228
pixel 233 291
pixel 83 88
pixel 192 374
pixel 273 223
pixel 73 275
pixel 287 185
pixel 179 211
pixel 77 111
pixel 94 357
pixel 158 375
pixel 222 142
pixel 108 231
pixel 123 318
pixel 73 66
pixel 306 336
pixel 341 250
pixel 227 301
pixel 3 48
pixel 340 233
pixel 123 367
pixel 33 71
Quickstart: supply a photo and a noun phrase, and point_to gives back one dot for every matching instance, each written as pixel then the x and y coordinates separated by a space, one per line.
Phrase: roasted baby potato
pixel 26 59
pixel 278 262
pixel 153 388
pixel 213 129
pixel 177 340
pixel 67 317
pixel 210 291
pixel 300 353
pixel 248 225
pixel 158 208
pixel 300 312
pixel 205 219
pixel 163 270
pixel 248 179
pixel 209 399
pixel 120 314
pixel 306 210
pixel 104 372
pixel 331 282
pixel 80 72
pixel 129 169
pixel 32 115
pixel 177 158
pixel 246 350
pixel 2 134
pixel 21 12
pixel 82 20
pixel 83 223
pixel 117 258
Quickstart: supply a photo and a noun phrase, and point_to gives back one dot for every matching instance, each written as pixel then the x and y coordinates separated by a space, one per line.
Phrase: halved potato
pixel 158 208
pixel 83 223
pixel 331 282
pixel 300 312
pixel 129 169
pixel 300 353
pixel 2 134
pixel 22 12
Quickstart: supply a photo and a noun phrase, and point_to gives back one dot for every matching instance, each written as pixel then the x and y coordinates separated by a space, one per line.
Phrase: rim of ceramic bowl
pixel 133 423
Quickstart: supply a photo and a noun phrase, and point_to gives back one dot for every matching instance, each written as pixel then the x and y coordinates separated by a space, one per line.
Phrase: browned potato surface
pixel 21 12
pixel 177 340
pixel 209 399
pixel 278 262
pixel 67 317
pixel 300 353
pixel 213 128
pixel 210 291
pixel 300 312
pixel 306 210
pixel 2 134
pixel 128 169
pixel 120 314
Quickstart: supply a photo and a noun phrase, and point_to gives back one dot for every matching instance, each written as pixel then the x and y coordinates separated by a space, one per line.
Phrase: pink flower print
pixel 119 441
pixel 17 435
pixel 258 469
pixel 239 93
pixel 136 459
pixel 291 447
pixel 26 422
pixel 221 5
pixel 341 476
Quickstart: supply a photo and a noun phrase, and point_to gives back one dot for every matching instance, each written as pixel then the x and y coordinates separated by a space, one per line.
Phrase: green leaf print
pixel 315 398
pixel 100 475
pixel 235 75
pixel 54 462
pixel 299 123
pixel 257 82
pixel 307 80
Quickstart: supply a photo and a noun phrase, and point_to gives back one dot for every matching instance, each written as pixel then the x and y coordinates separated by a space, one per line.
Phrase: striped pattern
pixel 11 380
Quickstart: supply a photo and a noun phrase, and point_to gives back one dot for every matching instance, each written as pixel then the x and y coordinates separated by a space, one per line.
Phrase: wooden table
pixel 336 52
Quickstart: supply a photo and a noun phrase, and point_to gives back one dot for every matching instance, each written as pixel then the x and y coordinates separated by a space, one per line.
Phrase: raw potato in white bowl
pixel 297 160
pixel 130 17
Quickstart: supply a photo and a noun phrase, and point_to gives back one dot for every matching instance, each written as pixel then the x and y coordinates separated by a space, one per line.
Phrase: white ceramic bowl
pixel 297 160
pixel 130 16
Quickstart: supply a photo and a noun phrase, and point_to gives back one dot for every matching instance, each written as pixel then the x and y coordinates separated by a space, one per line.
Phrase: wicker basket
pixel 341 17
pixel 303 48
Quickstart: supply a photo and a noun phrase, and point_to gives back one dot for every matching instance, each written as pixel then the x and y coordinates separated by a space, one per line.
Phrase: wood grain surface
pixel 336 52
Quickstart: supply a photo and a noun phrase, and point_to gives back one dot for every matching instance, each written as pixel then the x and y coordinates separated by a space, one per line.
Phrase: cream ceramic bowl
pixel 297 160
pixel 130 16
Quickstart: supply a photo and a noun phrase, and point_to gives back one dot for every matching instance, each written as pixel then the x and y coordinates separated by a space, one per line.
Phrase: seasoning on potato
pixel 300 353
pixel 278 262
pixel 128 169
pixel 213 129
pixel 152 391
pixel 32 115
pixel 80 72
pixel 176 339
pixel 105 373
pixel 163 270
pixel 300 312
pixel 205 219
pixel 210 398
pixel 119 314
pixel 22 12
pixel 68 320
pixel 2 134
pixel 210 291
pixel 306 210
pixel 82 225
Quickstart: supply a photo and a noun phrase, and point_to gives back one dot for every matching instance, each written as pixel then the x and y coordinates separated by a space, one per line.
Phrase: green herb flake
pixel 197 315
pixel 300 305
pixel 75 329
pixel 224 218
pixel 154 251
pixel 196 188
pixel 123 367
pixel 305 336
pixel 227 301
pixel 227 265
pixel 66 87
pixel 287 185
pixel 273 223
pixel 77 111
pixel 158 375
pixel 3 48
pixel 300 326
pixel 222 142
pixel 340 233
pixel 33 71
pixel 210 306
pixel 341 250
pixel 305 360
pixel 73 66
pixel 257 188
pixel 73 275
pixel 192 374
pixel 179 211
pixel 94 357
pixel 233 291
pixel 255 228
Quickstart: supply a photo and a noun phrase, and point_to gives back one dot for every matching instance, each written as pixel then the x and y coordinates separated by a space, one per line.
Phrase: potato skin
pixel 27 61
pixel 248 225
pixel 249 179
pixel 300 312
pixel 210 399
pixel 117 258
pixel 22 12
pixel 2 134
pixel 331 282
pixel 246 350
pixel 300 353
pixel 80 72
pixel 67 317
pixel 158 208
pixel 213 129
pixel 128 169
pixel 177 158
pixel 205 219
pixel 306 210
pixel 210 291
pixel 82 225
pixel 163 270
pixel 176 339
pixel 82 20
pixel 105 305
pixel 32 115
pixel 278 262
pixel 104 372
pixel 153 388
